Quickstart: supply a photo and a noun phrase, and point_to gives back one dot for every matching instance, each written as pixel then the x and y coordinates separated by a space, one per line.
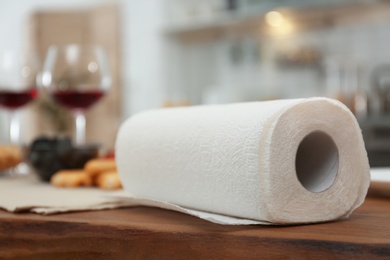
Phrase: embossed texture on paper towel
pixel 239 161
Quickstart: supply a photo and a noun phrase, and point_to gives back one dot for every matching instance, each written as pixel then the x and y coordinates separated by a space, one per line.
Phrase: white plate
pixel 380 182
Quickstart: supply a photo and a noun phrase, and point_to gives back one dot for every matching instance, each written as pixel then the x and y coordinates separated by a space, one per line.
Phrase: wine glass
pixel 76 76
pixel 18 85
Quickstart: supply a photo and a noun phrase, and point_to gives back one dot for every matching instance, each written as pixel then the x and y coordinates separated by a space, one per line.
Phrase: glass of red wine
pixel 76 76
pixel 18 85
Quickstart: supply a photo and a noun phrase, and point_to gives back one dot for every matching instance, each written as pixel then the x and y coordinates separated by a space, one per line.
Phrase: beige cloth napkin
pixel 21 194
pixel 28 194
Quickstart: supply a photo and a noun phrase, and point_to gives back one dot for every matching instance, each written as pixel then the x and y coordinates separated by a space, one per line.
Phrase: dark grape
pixel 49 155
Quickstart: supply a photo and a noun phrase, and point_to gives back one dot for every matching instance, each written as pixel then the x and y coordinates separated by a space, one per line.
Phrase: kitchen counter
pixel 143 232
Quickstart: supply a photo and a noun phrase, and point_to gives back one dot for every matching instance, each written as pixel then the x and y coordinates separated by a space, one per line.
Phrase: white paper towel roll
pixel 278 162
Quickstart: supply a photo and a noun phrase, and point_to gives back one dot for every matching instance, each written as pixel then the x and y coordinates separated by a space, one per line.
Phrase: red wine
pixel 15 99
pixel 75 99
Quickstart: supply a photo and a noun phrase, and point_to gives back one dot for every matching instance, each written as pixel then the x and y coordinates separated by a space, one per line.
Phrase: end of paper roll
pixel 327 176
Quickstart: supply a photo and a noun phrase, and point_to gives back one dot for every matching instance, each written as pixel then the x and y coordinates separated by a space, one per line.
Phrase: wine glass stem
pixel 80 127
pixel 14 129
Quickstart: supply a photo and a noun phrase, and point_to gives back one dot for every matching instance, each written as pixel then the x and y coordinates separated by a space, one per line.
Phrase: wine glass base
pixel 22 169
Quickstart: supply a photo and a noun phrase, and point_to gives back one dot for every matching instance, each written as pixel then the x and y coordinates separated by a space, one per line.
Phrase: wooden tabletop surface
pixel 151 233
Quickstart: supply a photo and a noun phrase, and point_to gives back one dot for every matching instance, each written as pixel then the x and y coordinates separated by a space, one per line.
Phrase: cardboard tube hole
pixel 317 161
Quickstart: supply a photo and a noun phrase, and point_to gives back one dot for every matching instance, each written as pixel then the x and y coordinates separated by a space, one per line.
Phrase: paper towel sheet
pixel 212 217
pixel 279 162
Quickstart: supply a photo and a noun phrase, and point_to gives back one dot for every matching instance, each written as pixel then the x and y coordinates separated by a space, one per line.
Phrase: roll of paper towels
pixel 274 162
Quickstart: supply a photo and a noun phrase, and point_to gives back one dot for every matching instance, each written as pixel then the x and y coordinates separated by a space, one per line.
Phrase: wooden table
pixel 142 232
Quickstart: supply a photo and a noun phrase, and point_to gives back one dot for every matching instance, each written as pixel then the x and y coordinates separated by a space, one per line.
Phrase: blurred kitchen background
pixel 165 53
